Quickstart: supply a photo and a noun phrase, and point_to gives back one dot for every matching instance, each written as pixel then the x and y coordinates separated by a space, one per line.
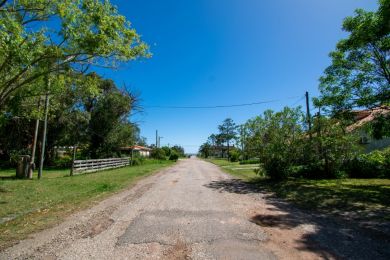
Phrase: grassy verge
pixel 27 206
pixel 245 171
pixel 364 199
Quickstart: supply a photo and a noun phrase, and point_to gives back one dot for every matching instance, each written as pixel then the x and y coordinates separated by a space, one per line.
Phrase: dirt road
pixel 194 211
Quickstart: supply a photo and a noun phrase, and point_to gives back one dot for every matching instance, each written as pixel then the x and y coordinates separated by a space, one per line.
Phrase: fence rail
pixel 94 165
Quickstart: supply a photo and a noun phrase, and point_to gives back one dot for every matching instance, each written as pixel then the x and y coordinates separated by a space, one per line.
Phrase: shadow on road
pixel 233 186
pixel 329 236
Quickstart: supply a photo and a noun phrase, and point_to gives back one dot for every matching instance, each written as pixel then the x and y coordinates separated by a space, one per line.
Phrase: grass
pixel 27 206
pixel 362 199
pixel 245 171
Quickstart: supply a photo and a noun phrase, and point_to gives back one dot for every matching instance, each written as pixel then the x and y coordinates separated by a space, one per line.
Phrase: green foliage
pixel 330 149
pixel 285 150
pixel 87 32
pixel 174 156
pixel 137 161
pixel 360 72
pixel 250 161
pixel 277 138
pixel 205 150
pixel 227 133
pixel 178 150
pixel 372 165
pixel 167 150
pixel 158 153
pixel 234 155
pixel 62 162
pixel 380 127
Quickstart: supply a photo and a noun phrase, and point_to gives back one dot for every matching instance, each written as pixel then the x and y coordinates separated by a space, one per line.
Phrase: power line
pixel 222 106
pixel 299 100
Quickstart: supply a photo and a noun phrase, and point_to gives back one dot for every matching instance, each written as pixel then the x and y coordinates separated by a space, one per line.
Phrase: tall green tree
pixel 359 75
pixel 228 132
pixel 276 139
pixel 81 33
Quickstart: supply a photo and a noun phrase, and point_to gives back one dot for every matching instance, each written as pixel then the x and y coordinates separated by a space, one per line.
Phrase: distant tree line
pixel 172 153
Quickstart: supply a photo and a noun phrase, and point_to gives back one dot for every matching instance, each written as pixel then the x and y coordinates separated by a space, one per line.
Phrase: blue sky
pixel 221 52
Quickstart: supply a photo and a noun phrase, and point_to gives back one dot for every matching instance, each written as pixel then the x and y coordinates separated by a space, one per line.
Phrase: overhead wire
pixel 222 106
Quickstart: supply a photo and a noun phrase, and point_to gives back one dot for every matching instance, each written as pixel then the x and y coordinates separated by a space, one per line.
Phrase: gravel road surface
pixel 194 211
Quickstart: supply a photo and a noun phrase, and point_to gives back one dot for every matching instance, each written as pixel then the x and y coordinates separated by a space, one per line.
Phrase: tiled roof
pixel 365 116
pixel 136 148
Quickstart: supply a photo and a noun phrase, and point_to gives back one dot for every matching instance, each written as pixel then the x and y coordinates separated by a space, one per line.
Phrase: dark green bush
pixel 158 153
pixel 375 164
pixel 62 162
pixel 234 155
pixel 174 156
pixel 136 162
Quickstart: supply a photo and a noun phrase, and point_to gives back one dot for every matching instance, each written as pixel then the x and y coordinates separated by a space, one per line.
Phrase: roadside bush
pixel 62 162
pixel 329 151
pixel 250 161
pixel 375 164
pixel 174 156
pixel 158 153
pixel 234 155
pixel 136 161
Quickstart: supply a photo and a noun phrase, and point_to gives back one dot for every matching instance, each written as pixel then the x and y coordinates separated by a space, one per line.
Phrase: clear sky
pixel 222 52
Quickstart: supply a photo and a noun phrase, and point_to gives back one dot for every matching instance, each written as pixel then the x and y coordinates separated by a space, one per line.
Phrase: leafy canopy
pixel 42 36
pixel 359 75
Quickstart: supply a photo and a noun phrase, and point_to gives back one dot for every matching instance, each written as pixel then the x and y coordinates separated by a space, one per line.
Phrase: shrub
pixel 234 155
pixel 375 164
pixel 158 153
pixel 136 162
pixel 62 162
pixel 174 156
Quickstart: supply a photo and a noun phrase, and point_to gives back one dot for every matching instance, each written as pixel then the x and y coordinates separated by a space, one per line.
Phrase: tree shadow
pixel 233 186
pixel 6 178
pixel 329 236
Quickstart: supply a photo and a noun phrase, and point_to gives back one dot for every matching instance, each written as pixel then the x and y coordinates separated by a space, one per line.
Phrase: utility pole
pixel 159 141
pixel 34 146
pixel 308 112
pixel 156 139
pixel 44 128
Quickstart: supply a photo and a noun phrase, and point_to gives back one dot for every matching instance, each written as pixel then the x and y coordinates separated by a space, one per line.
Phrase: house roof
pixel 136 148
pixel 363 117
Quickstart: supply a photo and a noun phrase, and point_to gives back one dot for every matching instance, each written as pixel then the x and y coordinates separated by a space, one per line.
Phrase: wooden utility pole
pixel 34 146
pixel 44 129
pixel 308 113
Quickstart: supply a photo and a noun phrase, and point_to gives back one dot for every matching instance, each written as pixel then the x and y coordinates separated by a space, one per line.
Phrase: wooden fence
pixel 94 165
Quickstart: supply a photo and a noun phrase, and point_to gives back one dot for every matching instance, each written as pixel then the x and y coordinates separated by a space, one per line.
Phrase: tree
pixel 276 138
pixel 205 150
pixel 158 154
pixel 108 110
pixel 359 75
pixel 330 149
pixel 227 132
pixel 178 150
pixel 83 33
